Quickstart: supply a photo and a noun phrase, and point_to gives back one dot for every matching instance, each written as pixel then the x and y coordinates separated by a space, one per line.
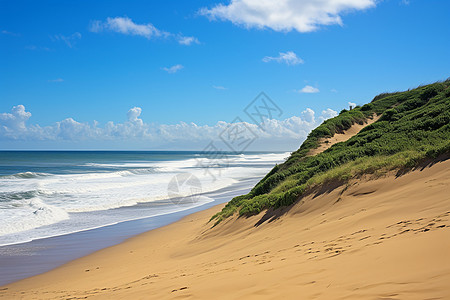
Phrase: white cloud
pixel 173 69
pixel 13 127
pixel 187 40
pixel 56 80
pixel 286 15
pixel 352 104
pixel 14 120
pixel 219 87
pixel 329 113
pixel 308 89
pixel 289 58
pixel 133 115
pixel 69 40
pixel 69 129
pixel 127 26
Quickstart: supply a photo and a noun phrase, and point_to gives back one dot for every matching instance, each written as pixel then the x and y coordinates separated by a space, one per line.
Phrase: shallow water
pixel 44 194
pixel 24 260
pixel 58 206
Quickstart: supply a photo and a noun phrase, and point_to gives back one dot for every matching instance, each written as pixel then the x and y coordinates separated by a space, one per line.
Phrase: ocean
pixel 52 193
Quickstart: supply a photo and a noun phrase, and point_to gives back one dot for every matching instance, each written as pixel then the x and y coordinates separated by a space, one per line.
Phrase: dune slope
pixel 325 143
pixel 385 238
pixel 413 126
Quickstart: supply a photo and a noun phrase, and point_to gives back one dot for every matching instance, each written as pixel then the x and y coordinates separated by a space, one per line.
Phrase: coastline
pixel 47 194
pixel 24 260
pixel 384 238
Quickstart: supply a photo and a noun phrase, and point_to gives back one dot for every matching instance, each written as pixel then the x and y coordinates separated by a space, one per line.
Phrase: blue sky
pixel 74 66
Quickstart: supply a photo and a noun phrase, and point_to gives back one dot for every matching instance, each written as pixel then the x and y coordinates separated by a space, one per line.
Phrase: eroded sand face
pixel 325 143
pixel 373 239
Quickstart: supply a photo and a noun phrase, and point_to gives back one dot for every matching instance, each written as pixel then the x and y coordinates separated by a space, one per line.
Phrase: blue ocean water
pixel 51 193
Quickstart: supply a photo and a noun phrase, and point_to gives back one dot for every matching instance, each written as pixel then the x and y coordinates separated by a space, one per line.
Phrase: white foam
pixel 28 215
pixel 40 199
pixel 85 221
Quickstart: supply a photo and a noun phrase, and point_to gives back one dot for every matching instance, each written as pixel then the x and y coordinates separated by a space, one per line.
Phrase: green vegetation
pixel 414 125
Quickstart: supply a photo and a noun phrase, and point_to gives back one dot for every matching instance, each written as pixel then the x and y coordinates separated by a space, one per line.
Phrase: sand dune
pixel 385 238
pixel 325 143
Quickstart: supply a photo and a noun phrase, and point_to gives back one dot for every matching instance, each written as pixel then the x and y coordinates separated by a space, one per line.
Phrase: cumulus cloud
pixel 286 15
pixel 133 116
pixel 127 26
pixel 13 127
pixel 69 129
pixel 352 104
pixel 308 89
pixel 14 121
pixel 173 69
pixel 329 113
pixel 69 40
pixel 289 58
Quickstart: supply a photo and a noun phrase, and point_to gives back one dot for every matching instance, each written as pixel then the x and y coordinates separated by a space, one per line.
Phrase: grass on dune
pixel 414 126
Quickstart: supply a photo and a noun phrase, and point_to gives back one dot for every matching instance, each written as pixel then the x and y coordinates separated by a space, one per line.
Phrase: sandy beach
pixel 385 238
pixel 215 150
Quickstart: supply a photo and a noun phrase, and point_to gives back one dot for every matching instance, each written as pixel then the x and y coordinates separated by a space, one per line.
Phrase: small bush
pixel 389 114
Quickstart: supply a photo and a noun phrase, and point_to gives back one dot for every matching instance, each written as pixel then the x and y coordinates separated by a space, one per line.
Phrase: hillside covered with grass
pixel 414 126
